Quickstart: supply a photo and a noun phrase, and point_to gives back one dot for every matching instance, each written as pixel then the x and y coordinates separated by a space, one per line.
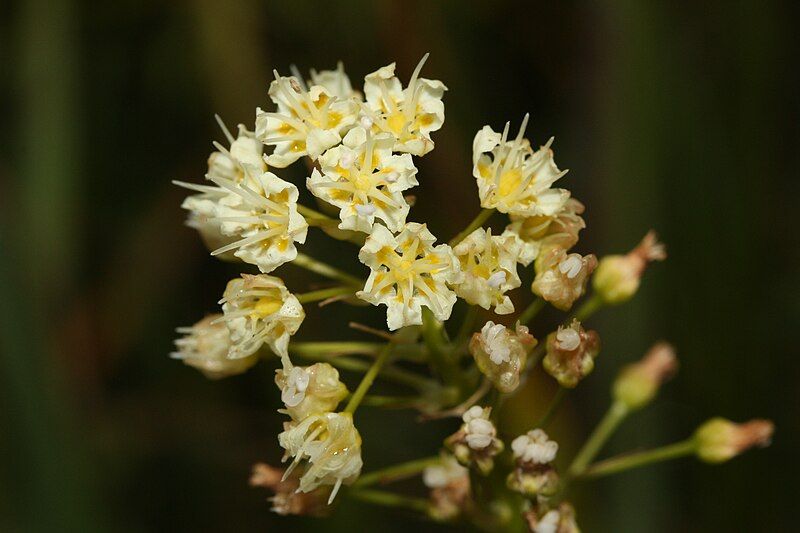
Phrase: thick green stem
pixel 396 472
pixel 612 419
pixel 589 307
pixel 323 269
pixel 390 499
pixel 324 294
pixel 369 379
pixel 315 218
pixel 476 223
pixel 635 460
pixel 440 360
pixel 531 311
pixel 465 331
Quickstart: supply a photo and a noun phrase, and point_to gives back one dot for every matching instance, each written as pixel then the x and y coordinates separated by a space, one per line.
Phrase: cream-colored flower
pixel 331 445
pixel 489 264
pixel 541 233
pixel 534 447
pixel 335 82
pixel 309 390
pixel 500 353
pixel 409 114
pixel 476 442
pixel 205 346
pixel 409 272
pixel 263 215
pixel 365 181
pixel 450 488
pixel 514 179
pixel 307 122
pixel 258 310
pixel 561 278
pixel 559 520
pixel 234 165
pixel 443 473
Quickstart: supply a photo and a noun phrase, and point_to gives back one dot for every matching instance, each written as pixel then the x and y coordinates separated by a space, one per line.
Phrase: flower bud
pixel 533 475
pixel 719 440
pixel 618 276
pixel 561 278
pixel 310 390
pixel 476 442
pixel 205 347
pixel 638 383
pixel 570 353
pixel 287 500
pixel 500 353
pixel 450 488
pixel 560 520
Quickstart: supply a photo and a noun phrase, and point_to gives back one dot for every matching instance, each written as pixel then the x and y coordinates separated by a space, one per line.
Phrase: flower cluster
pixel 358 150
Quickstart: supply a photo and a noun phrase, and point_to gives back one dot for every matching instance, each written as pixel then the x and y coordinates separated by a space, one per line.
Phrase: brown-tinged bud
pixel 618 276
pixel 501 352
pixel 561 277
pixel 450 488
pixel 287 500
pixel 719 440
pixel 637 384
pixel 559 520
pixel 570 353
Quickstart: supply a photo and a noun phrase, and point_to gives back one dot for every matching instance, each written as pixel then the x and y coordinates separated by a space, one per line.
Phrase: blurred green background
pixel 681 116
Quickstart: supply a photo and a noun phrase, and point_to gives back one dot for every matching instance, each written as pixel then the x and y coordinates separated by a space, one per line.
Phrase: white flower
pixel 257 310
pixel 514 179
pixel 480 431
pixel 314 389
pixel 561 278
pixel 365 181
pixel 205 346
pixel 263 214
pixel 331 445
pixel 500 353
pixel 489 264
pixel 335 82
pixel 541 233
pixel 548 523
pixel 307 122
pixel 443 473
pixel 409 114
pixel 476 442
pixel 534 447
pixel 407 273
pixel 234 165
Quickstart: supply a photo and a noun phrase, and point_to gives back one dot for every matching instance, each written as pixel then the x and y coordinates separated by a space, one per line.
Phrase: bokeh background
pixel 681 116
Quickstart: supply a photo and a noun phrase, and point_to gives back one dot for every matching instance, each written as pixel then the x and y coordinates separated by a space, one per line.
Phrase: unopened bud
pixel 638 383
pixel 570 353
pixel 286 499
pixel 205 346
pixel 559 520
pixel 719 440
pixel 500 353
pixel 618 276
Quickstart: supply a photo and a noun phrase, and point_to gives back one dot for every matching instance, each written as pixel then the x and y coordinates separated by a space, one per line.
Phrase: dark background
pixel 681 116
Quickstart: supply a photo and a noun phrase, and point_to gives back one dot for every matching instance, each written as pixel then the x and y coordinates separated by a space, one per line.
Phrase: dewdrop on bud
pixel 638 383
pixel 476 442
pixel 719 440
pixel 533 474
pixel 570 353
pixel 500 353
pixel 205 346
pixel 618 276
pixel 310 390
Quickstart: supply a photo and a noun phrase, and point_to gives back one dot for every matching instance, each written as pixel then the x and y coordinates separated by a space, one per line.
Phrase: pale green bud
pixel 618 276
pixel 719 440
pixel 637 384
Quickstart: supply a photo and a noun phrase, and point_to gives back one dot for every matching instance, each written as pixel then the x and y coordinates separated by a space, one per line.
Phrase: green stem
pixel 398 375
pixel 390 402
pixel 315 218
pixel 476 223
pixel 433 334
pixel 396 472
pixel 531 311
pixel 612 419
pixel 465 331
pixel 552 409
pixel 323 269
pixel 635 460
pixel 410 352
pixel 368 379
pixel 323 294
pixel 390 499
pixel 589 307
